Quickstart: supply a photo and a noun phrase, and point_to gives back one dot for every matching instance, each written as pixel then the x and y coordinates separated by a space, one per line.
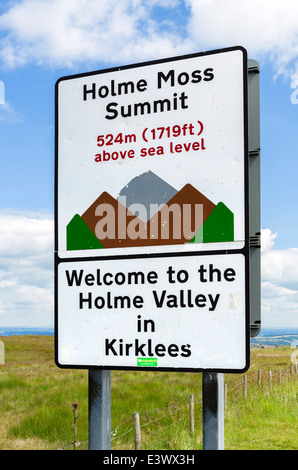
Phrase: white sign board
pixel 152 215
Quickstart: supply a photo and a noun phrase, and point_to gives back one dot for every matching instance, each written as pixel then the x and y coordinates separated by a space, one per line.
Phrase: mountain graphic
pixel 147 191
pixel 137 219
pixel 218 227
pixel 180 218
pixel 79 236
pixel 109 221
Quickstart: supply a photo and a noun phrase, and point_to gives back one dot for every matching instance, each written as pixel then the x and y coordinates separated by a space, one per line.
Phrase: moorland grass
pixel 36 399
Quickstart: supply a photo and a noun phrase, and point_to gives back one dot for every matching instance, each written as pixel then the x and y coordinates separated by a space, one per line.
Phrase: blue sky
pixel 42 40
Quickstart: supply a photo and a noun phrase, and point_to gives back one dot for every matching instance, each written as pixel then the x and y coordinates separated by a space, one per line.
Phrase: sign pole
pixel 213 411
pixel 99 409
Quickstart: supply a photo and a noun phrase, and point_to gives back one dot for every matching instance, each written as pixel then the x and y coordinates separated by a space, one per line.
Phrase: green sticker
pixel 147 361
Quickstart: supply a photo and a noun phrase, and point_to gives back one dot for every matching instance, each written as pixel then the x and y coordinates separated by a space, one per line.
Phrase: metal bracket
pixel 254 196
pixel 255 240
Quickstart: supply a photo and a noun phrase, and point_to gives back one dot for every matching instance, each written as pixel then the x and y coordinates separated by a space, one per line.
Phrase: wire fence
pixel 177 421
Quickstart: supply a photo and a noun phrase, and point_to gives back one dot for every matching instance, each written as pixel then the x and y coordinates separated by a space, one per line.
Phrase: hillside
pixel 37 397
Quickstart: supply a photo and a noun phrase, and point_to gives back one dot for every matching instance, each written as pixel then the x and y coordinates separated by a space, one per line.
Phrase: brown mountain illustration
pixel 175 223
pixel 112 223
pixel 179 220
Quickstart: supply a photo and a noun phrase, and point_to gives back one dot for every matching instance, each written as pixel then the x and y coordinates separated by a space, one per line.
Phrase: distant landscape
pixel 268 336
pixel 276 337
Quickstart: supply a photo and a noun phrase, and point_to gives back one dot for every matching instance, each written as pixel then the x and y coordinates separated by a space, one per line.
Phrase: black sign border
pixel 244 251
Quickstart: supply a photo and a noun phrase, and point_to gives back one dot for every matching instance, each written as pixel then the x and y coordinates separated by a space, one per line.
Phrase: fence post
pixel 244 386
pixel 191 414
pixel 2 353
pixel 226 395
pixel 259 378
pixel 270 379
pixel 137 431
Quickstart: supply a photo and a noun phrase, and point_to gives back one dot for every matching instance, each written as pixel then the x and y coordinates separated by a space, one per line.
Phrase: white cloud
pixel 63 33
pixel 267 28
pixel 69 32
pixel 26 269
pixel 25 234
pixel 278 265
pixel 267 240
pixel 279 283
pixel 272 290
pixel 8 114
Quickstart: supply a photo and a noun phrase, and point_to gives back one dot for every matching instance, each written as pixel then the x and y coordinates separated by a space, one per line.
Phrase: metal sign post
pixel 99 409
pixel 213 411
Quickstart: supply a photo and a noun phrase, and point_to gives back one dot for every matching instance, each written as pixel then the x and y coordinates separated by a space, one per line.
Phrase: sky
pixel 43 40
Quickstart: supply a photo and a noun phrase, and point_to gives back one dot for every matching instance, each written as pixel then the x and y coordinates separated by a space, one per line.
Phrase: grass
pixel 264 421
pixel 36 400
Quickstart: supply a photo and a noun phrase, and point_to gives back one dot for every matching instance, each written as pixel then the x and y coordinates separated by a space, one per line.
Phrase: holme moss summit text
pixel 176 102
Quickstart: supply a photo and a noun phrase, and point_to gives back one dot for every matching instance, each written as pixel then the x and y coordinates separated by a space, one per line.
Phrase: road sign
pixel 152 238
